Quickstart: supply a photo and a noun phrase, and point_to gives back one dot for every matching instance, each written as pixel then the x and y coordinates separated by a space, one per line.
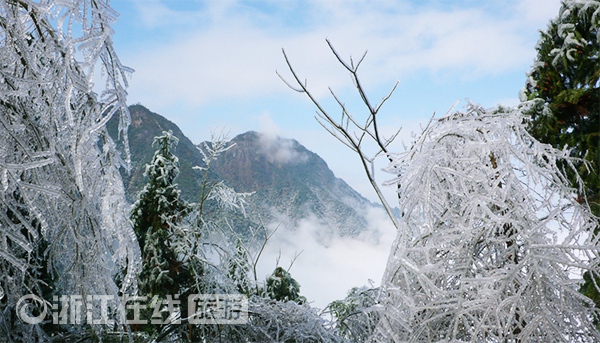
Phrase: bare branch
pixel 360 61
pixel 386 98
pixel 347 130
pixel 296 255
pixel 339 58
pixel 299 90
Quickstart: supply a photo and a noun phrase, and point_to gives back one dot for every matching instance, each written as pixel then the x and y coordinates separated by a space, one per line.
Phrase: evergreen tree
pixel 283 287
pixel 565 77
pixel 158 209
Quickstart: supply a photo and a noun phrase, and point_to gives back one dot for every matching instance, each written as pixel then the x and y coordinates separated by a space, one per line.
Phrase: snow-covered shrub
pixel 493 241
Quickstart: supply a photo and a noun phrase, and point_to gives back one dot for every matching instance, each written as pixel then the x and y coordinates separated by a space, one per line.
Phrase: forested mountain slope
pixel 289 182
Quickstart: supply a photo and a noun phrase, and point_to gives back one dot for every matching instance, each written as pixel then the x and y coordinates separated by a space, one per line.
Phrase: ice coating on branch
pixel 224 195
pixel 62 208
pixel 493 241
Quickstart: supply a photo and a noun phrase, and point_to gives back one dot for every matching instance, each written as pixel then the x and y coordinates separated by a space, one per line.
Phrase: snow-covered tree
pixel 59 180
pixel 287 321
pixel 280 285
pixel 493 242
pixel 217 192
pixel 356 316
pixel 196 237
pixel 156 212
pixel 565 78
pixel 208 253
pixel 239 268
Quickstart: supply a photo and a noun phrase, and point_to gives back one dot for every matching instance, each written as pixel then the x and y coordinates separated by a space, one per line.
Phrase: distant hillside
pixel 145 125
pixel 289 181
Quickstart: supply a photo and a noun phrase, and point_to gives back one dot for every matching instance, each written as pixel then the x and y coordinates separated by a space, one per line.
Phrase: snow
pixel 59 167
pixel 486 249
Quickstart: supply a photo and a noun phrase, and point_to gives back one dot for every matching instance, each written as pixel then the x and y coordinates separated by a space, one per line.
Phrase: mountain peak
pixel 288 180
pixel 258 161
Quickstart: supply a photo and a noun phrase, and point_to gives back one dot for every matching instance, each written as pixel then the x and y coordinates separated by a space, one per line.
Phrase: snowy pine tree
pixel 493 242
pixel 158 209
pixel 280 285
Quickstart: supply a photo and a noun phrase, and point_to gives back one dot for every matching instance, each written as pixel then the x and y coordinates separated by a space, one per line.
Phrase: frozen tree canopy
pixel 157 210
pixel 493 242
pixel 569 46
pixel 62 205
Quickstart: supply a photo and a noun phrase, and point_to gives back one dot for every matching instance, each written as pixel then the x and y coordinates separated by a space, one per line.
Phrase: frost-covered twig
pixel 494 240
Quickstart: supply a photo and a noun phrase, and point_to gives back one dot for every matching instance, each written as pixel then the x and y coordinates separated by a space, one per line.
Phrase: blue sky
pixel 212 65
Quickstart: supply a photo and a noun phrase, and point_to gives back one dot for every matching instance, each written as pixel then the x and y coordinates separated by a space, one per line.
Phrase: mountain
pixel 145 125
pixel 290 183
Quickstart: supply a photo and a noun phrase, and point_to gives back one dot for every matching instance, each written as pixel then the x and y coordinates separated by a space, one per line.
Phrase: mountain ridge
pixel 286 176
pixel 289 182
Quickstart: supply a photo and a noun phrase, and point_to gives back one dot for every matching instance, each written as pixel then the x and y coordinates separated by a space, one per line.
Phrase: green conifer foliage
pixel 158 208
pixel 566 77
pixel 283 287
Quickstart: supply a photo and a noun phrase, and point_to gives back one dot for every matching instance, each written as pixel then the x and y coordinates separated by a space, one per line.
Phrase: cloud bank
pixel 327 272
pixel 275 149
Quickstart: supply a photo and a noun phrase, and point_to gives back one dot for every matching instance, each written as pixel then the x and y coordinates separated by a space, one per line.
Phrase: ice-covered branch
pixel 494 241
pixel 62 192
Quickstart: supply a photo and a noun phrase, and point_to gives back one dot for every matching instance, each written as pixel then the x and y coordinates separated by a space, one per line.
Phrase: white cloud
pixel 278 150
pixel 268 126
pixel 538 12
pixel 155 14
pixel 230 54
pixel 326 273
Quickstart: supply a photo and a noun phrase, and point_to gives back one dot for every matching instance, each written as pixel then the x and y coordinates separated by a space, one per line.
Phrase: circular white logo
pixel 28 305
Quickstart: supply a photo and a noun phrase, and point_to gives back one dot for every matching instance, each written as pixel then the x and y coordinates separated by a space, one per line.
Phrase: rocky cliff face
pixel 145 125
pixel 290 183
